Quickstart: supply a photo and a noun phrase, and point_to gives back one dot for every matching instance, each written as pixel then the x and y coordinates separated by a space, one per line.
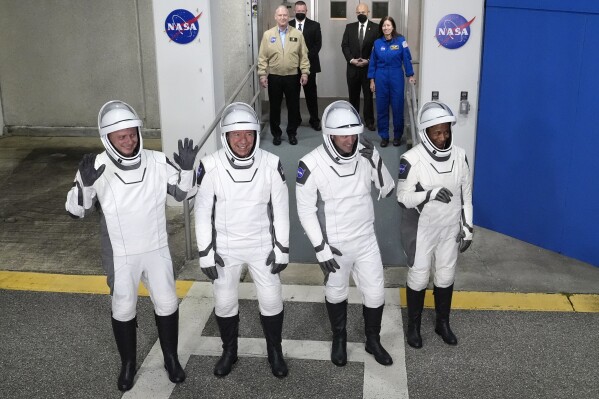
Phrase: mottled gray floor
pixel 252 378
pixel 62 345
pixel 507 355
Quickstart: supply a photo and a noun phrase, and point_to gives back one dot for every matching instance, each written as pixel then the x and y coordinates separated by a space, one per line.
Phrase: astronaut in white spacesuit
pixel 335 208
pixel 435 189
pixel 242 217
pixel 130 185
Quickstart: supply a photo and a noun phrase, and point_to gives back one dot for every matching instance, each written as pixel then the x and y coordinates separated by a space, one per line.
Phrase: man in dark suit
pixel 357 43
pixel 311 31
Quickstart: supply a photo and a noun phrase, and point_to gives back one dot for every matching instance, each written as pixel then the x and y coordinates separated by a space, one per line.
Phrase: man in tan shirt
pixel 283 55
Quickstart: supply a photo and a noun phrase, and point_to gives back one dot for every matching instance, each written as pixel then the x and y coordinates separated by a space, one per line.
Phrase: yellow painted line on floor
pixel 45 282
pixel 539 302
pixel 585 302
pixel 469 300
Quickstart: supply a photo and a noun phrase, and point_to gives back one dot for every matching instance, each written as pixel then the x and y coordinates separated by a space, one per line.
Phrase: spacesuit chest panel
pixel 133 204
pixel 242 197
pixel 433 174
pixel 345 191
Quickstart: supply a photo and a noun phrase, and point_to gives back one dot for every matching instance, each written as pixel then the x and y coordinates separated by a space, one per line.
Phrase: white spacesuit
pixel 131 190
pixel 435 189
pixel 335 209
pixel 242 217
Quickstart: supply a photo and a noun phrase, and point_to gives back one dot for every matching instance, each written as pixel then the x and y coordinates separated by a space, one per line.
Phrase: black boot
pixel 272 327
pixel 415 305
pixel 442 308
pixel 229 330
pixel 338 318
pixel 372 328
pixel 125 335
pixel 168 333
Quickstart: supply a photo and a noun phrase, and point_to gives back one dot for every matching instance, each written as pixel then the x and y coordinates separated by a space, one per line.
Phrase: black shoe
pixel 415 305
pixel 168 335
pixel 384 142
pixel 125 335
pixel 442 310
pixel 396 142
pixel 229 330
pixel 372 329
pixel 371 127
pixel 276 140
pixel 292 140
pixel 338 317
pixel 272 327
pixel 316 126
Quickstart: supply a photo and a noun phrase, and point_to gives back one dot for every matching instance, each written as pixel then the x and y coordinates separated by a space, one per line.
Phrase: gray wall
pixel 61 60
pixel 235 38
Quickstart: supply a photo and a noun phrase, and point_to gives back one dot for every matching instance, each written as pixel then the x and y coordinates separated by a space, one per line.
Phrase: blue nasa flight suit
pixel 385 68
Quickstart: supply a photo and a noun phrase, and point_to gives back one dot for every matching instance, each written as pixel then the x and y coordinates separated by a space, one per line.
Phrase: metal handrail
pixel 413 111
pixel 229 101
pixel 187 208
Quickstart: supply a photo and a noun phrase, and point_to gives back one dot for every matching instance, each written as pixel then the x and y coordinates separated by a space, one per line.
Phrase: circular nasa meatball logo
pixel 453 31
pixel 182 26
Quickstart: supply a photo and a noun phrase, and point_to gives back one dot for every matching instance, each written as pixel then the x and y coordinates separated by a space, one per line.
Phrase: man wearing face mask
pixel 357 43
pixel 311 31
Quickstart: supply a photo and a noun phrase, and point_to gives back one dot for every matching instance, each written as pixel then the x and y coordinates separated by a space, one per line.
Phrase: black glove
pixel 211 271
pixel 330 265
pixel 368 149
pixel 463 239
pixel 187 154
pixel 89 174
pixel 276 267
pixel 444 195
pixel 464 245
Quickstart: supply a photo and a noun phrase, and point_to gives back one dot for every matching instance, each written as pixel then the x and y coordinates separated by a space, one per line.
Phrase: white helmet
pixel 434 113
pixel 115 116
pixel 239 116
pixel 340 119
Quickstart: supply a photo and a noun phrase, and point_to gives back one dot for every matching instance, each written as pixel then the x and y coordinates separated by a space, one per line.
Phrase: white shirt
pixel 365 24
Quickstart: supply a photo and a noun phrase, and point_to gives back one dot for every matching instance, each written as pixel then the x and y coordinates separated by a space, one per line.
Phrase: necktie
pixel 300 27
pixel 361 36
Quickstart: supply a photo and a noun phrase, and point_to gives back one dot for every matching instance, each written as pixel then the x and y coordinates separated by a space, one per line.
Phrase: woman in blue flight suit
pixel 389 53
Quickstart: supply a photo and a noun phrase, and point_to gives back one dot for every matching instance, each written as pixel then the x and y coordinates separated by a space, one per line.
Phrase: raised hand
pixel 89 174
pixel 187 154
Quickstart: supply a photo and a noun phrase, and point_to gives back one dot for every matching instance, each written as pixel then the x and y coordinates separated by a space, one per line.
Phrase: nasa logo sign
pixel 182 26
pixel 453 31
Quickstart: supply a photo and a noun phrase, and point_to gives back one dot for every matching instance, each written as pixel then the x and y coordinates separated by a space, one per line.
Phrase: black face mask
pixel 300 16
pixel 362 18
